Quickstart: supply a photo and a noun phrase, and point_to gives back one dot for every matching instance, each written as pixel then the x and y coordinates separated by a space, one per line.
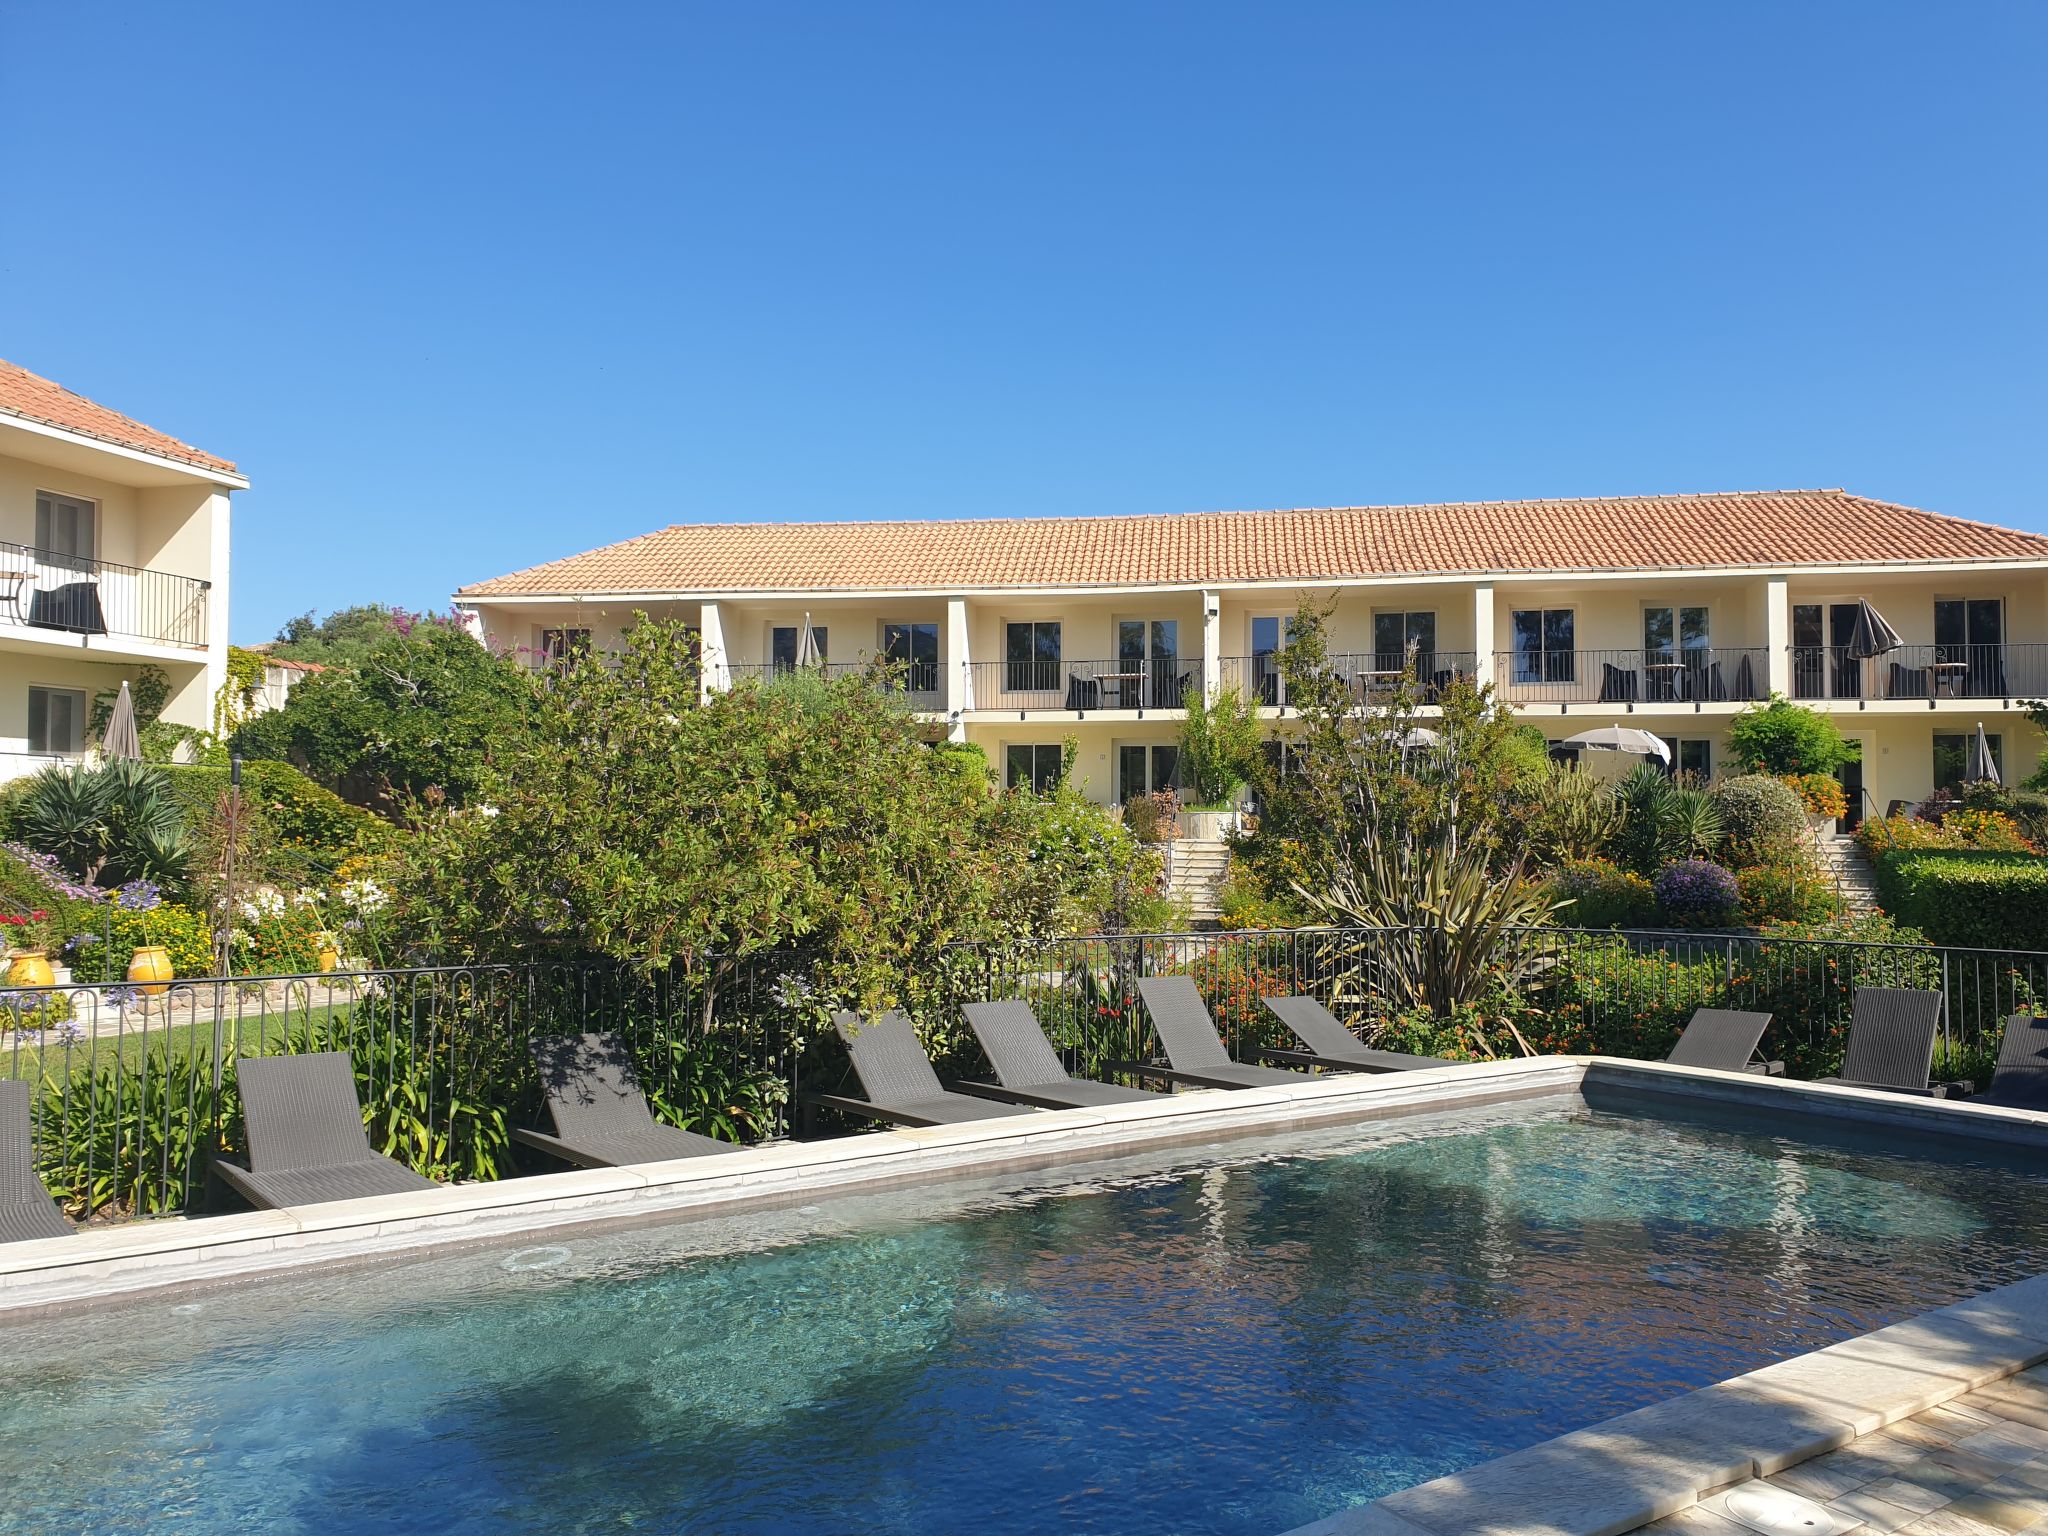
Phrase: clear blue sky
pixel 466 287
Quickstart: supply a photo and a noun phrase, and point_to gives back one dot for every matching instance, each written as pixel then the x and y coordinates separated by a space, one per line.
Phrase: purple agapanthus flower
pixel 122 998
pixel 81 941
pixel 139 896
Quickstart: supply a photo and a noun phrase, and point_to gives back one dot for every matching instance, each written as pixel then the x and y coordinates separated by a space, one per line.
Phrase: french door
pixel 1148 653
pixel 1145 769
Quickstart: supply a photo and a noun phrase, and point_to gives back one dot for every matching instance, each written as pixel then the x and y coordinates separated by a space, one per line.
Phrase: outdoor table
pixel 1127 684
pixel 12 585
pixel 1369 681
pixel 1671 674
pixel 1947 674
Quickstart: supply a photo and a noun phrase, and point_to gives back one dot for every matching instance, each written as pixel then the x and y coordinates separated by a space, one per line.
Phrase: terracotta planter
pixel 30 968
pixel 150 969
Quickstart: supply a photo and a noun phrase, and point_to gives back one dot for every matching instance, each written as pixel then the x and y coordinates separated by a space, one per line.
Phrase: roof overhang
pixel 39 442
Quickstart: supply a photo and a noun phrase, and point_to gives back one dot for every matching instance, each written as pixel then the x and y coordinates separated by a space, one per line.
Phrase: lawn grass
pixel 255 1031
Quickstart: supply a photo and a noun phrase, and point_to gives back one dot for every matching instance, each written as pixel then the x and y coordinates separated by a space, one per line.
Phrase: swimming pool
pixel 1234 1340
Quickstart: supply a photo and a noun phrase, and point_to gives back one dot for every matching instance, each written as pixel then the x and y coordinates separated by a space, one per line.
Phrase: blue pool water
pixel 1233 1340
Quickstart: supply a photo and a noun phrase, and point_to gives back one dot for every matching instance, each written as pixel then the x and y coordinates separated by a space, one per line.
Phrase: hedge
pixel 308 818
pixel 1967 896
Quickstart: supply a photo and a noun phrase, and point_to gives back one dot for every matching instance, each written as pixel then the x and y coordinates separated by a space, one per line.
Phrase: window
pixel 914 648
pixel 560 646
pixel 1031 657
pixel 56 720
pixel 1269 637
pixel 1400 640
pixel 1821 666
pixel 1969 646
pixel 66 528
pixel 782 645
pixel 1035 767
pixel 1567 752
pixel 1148 654
pixel 1145 770
pixel 1692 756
pixel 1676 654
pixel 1952 757
pixel 1544 646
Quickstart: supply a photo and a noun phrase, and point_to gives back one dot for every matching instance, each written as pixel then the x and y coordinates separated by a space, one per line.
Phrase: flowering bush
pixel 1694 893
pixel 1232 978
pixel 276 934
pixel 104 955
pixel 1992 830
pixel 1821 793
pixel 1882 834
pixel 1604 895
pixel 26 930
pixel 1788 889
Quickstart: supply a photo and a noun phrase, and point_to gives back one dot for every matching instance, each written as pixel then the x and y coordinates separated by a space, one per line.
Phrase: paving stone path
pixel 1976 1466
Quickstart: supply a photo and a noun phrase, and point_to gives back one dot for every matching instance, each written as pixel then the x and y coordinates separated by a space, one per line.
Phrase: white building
pixel 1670 613
pixel 113 556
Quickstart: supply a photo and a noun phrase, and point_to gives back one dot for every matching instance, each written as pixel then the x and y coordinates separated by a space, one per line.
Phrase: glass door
pixel 1821 667
pixel 1143 769
pixel 1676 653
pixel 1269 637
pixel 1969 646
pixel 1148 663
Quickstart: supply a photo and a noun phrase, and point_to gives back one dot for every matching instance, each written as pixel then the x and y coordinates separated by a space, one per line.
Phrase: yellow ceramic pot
pixel 150 969
pixel 30 968
pixel 330 958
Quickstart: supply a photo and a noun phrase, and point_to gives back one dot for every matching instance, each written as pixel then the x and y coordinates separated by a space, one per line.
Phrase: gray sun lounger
pixel 1891 1040
pixel 306 1138
pixel 1332 1046
pixel 2020 1080
pixel 1029 1070
pixel 898 1078
pixel 1194 1051
pixel 26 1209
pixel 1724 1040
pixel 600 1116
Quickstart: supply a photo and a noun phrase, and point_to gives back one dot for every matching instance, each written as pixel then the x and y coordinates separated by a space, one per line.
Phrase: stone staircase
pixel 1194 870
pixel 1843 862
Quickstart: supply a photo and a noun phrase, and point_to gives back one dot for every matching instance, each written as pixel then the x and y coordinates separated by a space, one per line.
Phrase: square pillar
pixel 1212 645
pixel 1777 636
pixel 959 669
pixel 1482 633
pixel 714 673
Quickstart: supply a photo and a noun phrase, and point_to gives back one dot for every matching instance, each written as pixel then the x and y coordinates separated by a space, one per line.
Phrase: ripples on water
pixel 1230 1345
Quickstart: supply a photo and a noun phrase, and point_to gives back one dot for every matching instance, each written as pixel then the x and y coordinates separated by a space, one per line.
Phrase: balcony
pixel 918 681
pixel 1080 686
pixel 66 594
pixel 1371 675
pixel 1703 675
pixel 1921 673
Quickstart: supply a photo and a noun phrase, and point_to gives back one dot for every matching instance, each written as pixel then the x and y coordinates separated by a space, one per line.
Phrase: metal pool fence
pixel 135 1092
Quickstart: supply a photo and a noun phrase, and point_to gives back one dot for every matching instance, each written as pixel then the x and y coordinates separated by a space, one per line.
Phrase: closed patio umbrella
pixel 807 654
pixel 1980 768
pixel 121 739
pixel 1621 738
pixel 1870 636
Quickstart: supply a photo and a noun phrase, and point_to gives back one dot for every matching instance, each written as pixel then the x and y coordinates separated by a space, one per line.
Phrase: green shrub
pixel 1784 739
pixel 1760 815
pixel 131 1135
pixel 1787 889
pixel 1607 997
pixel 1604 895
pixel 1807 984
pixel 1981 898
pixel 311 822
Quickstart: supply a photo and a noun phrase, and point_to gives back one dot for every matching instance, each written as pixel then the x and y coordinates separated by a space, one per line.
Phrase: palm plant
pixel 107 825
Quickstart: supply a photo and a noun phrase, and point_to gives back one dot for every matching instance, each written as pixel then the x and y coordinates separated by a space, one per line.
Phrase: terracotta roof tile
pixel 35 398
pixel 1742 528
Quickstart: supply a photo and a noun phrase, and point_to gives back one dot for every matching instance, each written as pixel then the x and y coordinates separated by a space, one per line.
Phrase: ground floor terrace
pixel 1907 752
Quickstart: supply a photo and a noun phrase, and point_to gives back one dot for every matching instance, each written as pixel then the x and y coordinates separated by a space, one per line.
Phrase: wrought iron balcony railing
pixel 1931 672
pixel 1160 683
pixel 43 589
pixel 1699 675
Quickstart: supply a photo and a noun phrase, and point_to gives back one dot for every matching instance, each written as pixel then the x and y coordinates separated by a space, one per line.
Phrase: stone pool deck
pixel 1977 1466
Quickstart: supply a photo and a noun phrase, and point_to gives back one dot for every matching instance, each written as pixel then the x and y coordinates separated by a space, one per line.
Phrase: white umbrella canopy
pixel 1420 739
pixel 1621 738
pixel 807 654
pixel 1981 768
pixel 121 739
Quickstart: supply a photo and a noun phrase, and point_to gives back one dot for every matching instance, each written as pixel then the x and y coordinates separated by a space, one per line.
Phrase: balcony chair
pixel 600 1116
pixel 1908 682
pixel 73 607
pixel 1619 685
pixel 26 1209
pixel 1083 693
pixel 1029 1070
